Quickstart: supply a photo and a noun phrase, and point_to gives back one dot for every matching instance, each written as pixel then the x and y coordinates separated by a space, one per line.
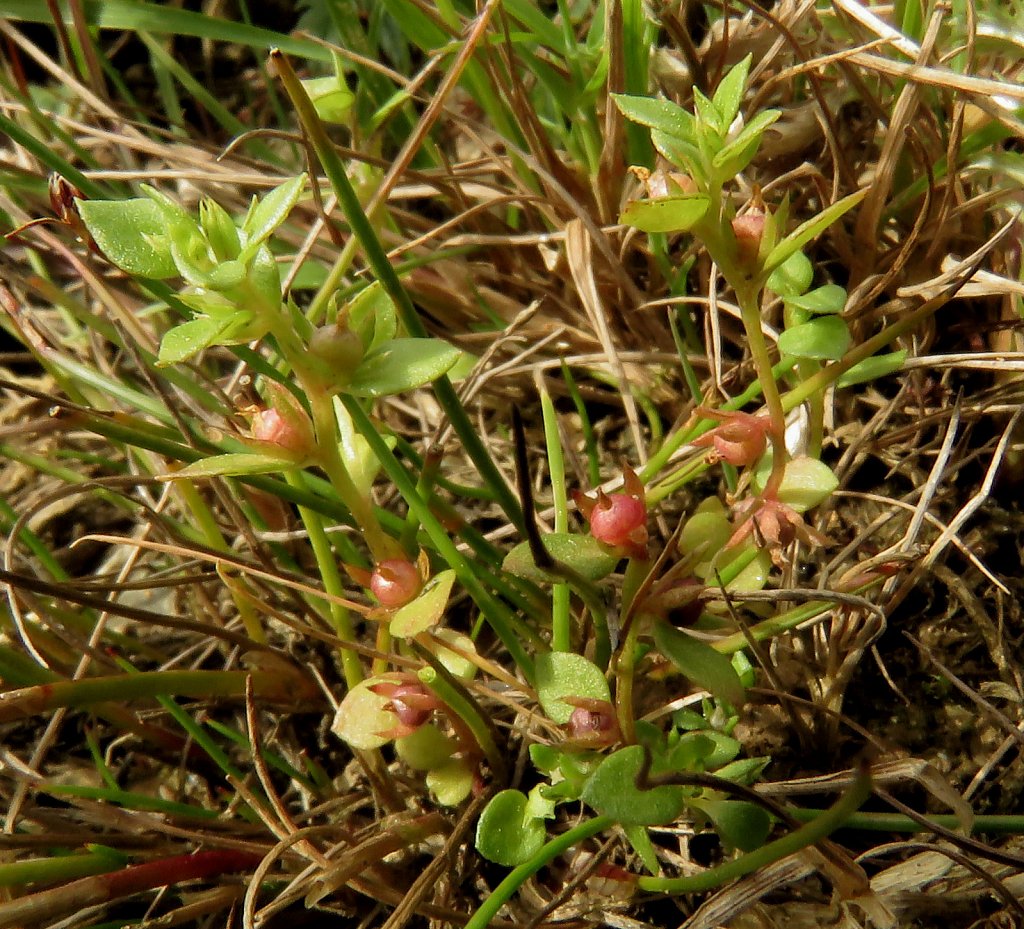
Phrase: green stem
pixel 561 618
pixel 814 831
pixel 518 876
pixel 749 301
pixel 377 258
pixel 467 710
pixel 28 701
pixel 991 824
pixel 327 564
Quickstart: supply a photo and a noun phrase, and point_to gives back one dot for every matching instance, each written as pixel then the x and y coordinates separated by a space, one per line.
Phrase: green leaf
pixel 426 610
pixel 729 93
pixel 870 368
pixel 269 213
pixel 505 833
pixel 825 339
pixel 450 783
pixel 640 839
pixel 453 658
pixel 425 748
pixel 401 365
pixel 220 229
pixel 666 214
pixel 373 317
pixel 737 154
pixel 709 121
pixel 182 342
pixel 679 152
pixel 739 823
pixel 566 674
pixel 331 98
pixel 704 666
pixel 828 299
pixel 806 483
pixel 583 553
pixel 234 464
pixel 131 233
pixel 362 718
pixel 662 115
pixel 793 276
pixel 612 791
pixel 811 229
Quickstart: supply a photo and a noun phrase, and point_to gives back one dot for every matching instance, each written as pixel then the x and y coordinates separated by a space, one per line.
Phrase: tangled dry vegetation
pixel 512 249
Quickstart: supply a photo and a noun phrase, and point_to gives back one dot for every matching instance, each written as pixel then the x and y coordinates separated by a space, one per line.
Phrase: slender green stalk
pixel 814 831
pixel 385 273
pixel 518 876
pixel 984 824
pixel 331 578
pixel 561 618
pixel 28 701
pixel 749 301
pixel 466 709
pixel 57 869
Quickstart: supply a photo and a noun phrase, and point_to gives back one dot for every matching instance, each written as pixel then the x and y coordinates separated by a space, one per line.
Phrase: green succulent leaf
pixel 704 666
pixel 824 339
pixel 739 823
pixel 401 365
pixel 612 791
pixel 566 674
pixel 583 553
pixel 506 833
pixel 659 114
pixel 425 748
pixel 729 93
pixel 666 214
pixel 184 341
pixel 331 98
pixel 831 298
pixel 450 783
pixel 810 230
pixel 234 464
pixel 793 276
pixel 427 610
pixel 132 234
pixel 870 368
pixel 269 213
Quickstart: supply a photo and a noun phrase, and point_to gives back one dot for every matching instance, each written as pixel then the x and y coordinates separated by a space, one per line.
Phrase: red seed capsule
pixel 395 582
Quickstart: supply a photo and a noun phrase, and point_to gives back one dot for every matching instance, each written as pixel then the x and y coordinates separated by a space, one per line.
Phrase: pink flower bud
pixel 741 439
pixel 395 582
pixel 749 230
pixel 289 433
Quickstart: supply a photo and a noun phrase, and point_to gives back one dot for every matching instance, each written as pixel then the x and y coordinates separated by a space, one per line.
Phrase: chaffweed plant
pixel 313 421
